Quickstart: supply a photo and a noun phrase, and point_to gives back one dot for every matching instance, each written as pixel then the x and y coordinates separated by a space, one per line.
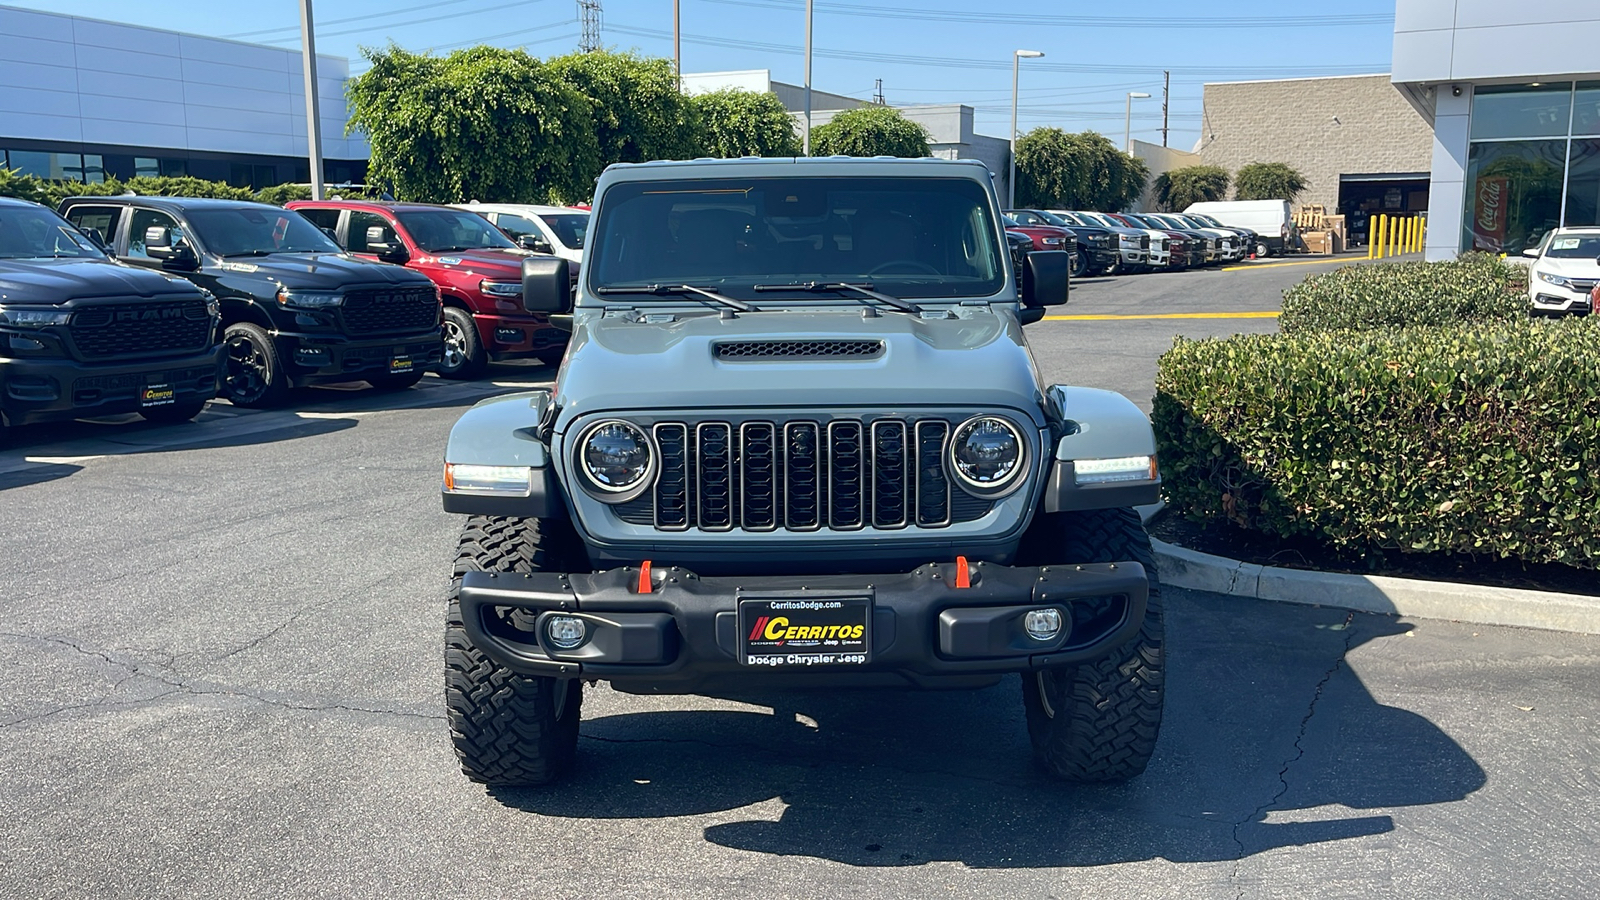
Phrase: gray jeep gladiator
pixel 798 441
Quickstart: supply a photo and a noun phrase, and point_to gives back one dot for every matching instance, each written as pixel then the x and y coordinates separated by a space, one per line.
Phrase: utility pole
pixel 1166 95
pixel 308 53
pixel 589 19
pixel 877 94
pixel 805 136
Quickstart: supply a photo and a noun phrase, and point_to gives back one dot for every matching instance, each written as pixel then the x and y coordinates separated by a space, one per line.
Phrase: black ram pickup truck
pixel 296 309
pixel 82 336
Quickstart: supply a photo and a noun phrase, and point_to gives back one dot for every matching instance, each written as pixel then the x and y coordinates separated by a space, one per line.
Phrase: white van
pixel 1269 219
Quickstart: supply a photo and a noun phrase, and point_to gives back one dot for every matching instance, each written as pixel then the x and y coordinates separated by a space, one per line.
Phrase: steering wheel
pixel 903 262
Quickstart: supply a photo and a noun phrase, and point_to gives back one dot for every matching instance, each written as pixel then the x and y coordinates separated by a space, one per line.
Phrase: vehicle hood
pixel 320 271
pixel 619 363
pixel 495 263
pixel 61 280
pixel 1570 268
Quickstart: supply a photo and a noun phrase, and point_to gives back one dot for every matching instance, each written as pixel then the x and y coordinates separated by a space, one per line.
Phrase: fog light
pixel 565 632
pixel 1042 624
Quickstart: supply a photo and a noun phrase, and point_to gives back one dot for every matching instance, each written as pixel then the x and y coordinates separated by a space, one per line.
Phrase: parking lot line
pixel 1298 262
pixel 1200 315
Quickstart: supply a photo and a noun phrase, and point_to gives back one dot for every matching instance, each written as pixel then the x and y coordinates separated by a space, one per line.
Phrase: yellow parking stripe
pixel 1298 262
pixel 1209 315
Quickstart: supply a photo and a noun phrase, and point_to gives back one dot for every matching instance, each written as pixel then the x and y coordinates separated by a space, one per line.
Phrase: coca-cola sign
pixel 1491 201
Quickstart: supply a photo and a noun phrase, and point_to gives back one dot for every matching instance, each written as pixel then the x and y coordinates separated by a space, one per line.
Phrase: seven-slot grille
pixel 141 329
pixel 802 475
pixel 390 310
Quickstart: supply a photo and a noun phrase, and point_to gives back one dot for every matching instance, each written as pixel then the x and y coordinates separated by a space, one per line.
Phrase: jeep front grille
pixel 105 331
pixel 390 310
pixel 802 475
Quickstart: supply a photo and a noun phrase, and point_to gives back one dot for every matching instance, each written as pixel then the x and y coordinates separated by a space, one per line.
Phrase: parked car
pixel 1102 250
pixel 557 230
pixel 477 268
pixel 1200 249
pixel 1229 244
pixel 1020 246
pixel 1052 237
pixel 1271 220
pixel 1565 272
pixel 81 336
pixel 296 309
pixel 1168 249
pixel 1134 243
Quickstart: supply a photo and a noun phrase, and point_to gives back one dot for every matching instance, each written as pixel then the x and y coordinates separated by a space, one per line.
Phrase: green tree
pixel 736 123
pixel 870 131
pixel 1179 188
pixel 482 123
pixel 1268 181
pixel 639 113
pixel 1057 170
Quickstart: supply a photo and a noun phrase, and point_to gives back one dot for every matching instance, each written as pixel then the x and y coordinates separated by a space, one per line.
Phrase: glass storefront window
pixel 1521 111
pixel 1586 109
pixel 1583 182
pixel 1513 194
pixel 94 168
pixel 146 167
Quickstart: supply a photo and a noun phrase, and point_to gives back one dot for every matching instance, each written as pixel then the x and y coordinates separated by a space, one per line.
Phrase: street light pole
pixel 1127 122
pixel 677 48
pixel 308 50
pixel 805 138
pixel 1011 178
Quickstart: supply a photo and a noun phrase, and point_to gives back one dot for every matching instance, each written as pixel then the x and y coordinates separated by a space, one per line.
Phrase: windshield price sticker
pixel 831 631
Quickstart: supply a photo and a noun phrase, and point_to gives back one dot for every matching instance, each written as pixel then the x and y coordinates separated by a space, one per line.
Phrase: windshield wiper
pixel 864 289
pixel 662 290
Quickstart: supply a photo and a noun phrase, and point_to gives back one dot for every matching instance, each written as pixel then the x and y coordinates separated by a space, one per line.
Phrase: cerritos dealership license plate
pixel 157 395
pixel 399 364
pixel 810 631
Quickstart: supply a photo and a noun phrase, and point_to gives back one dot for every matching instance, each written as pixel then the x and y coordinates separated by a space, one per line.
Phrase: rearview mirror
pixel 546 284
pixel 1045 278
pixel 534 242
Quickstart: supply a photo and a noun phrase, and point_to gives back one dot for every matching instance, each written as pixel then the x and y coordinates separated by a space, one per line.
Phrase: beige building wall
pixel 1159 159
pixel 1323 127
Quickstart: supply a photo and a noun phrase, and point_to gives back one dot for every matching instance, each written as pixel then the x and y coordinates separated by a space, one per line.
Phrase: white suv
pixel 1564 272
pixel 556 230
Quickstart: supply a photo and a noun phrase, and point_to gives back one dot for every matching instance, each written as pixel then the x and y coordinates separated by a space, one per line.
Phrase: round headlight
pixel 986 454
pixel 616 456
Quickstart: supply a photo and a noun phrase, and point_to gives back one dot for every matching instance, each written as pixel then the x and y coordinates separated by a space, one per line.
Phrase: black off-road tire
pixel 176 414
pixel 508 729
pixel 397 382
pixel 253 375
pixel 464 356
pixel 1098 721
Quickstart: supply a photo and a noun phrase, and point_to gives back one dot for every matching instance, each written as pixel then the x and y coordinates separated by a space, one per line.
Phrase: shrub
pixel 870 131
pixel 1268 181
pixel 1179 189
pixel 1475 288
pixel 1481 439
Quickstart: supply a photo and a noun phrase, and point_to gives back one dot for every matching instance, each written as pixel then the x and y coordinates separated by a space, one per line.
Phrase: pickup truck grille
pixel 390 310
pixel 803 475
pixel 111 330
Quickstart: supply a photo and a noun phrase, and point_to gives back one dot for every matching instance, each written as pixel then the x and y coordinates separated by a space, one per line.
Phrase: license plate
pixel 399 364
pixel 805 632
pixel 157 395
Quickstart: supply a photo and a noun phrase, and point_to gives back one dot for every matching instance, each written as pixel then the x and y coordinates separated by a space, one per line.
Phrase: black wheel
pixel 1080 265
pixel 253 375
pixel 395 382
pixel 464 356
pixel 1097 721
pixel 175 414
pixel 508 729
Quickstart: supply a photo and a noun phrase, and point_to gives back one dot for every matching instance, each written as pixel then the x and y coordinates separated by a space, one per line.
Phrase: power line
pixel 349 19
pixel 994 18
pixel 424 21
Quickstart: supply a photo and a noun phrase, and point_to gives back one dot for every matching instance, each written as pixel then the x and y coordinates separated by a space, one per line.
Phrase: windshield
pixel 28 232
pixel 568 227
pixel 1100 219
pixel 1574 248
pixel 1069 219
pixel 449 230
pixel 250 230
pixel 923 237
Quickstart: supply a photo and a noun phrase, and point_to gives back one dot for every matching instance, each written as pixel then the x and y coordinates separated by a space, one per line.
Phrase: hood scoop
pixel 752 350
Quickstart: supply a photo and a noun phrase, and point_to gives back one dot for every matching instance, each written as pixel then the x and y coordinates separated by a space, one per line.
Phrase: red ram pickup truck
pixel 477 268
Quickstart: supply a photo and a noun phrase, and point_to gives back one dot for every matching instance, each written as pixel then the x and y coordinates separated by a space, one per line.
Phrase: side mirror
pixel 1045 278
pixel 388 251
pixel 1531 253
pixel 546 284
pixel 535 243
pixel 158 242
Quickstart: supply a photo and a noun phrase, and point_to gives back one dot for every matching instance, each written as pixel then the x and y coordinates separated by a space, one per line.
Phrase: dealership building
pixel 1512 94
pixel 82 99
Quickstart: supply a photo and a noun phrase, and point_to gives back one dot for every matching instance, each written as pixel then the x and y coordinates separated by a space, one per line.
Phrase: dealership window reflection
pixel 1515 193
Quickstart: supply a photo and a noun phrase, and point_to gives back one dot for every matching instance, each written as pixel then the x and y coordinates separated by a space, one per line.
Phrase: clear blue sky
pixel 932 51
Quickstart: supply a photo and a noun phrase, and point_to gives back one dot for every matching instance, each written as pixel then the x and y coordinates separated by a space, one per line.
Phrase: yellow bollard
pixel 1422 235
pixel 1375 238
pixel 1410 223
pixel 1413 243
pixel 1394 237
pixel 1383 236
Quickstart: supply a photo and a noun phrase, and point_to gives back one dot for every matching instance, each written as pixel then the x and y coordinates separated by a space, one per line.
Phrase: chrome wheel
pixel 455 346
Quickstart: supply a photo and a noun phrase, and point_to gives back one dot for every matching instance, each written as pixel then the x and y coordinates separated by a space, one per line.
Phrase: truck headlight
pixel 1108 471
pixel 986 455
pixel 23 317
pixel 309 299
pixel 501 288
pixel 616 458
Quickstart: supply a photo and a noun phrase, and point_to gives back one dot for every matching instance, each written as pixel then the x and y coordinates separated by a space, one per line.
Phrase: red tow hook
pixel 963 574
pixel 646 586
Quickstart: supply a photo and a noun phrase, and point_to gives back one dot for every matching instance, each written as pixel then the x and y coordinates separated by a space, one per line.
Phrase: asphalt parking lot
pixel 220 676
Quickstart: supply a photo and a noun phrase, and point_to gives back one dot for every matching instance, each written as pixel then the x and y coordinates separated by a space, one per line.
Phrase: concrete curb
pixel 1378 593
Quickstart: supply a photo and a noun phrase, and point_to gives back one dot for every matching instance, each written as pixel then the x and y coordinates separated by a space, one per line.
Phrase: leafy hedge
pixel 1477 287
pixel 1479 439
pixel 51 193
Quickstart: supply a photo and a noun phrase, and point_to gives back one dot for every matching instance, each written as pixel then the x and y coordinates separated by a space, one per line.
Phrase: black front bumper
pixel 43 390
pixel 327 359
pixel 683 634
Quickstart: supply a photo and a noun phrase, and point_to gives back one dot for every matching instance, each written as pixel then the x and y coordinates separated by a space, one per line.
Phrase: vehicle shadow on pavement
pixel 1270 740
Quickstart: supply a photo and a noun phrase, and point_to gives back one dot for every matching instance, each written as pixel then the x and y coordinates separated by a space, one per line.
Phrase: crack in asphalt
pixel 1299 753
